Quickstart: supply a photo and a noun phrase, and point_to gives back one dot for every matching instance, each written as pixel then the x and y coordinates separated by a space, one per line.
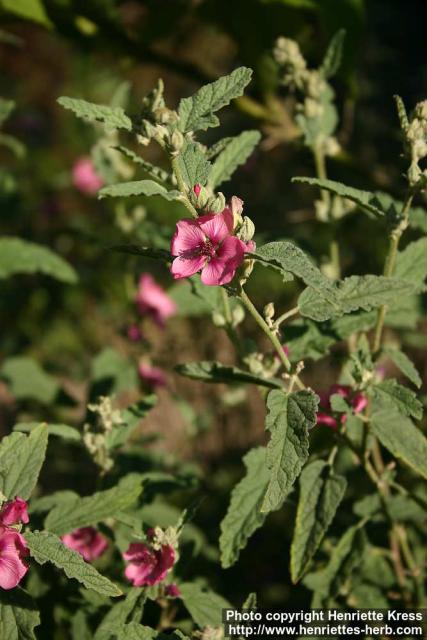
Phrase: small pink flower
pixel 134 333
pixel 148 566
pixel 172 590
pixel 87 541
pixel 358 402
pixel 153 301
pixel 14 512
pixel 207 245
pixel 13 551
pixel 85 177
pixel 152 376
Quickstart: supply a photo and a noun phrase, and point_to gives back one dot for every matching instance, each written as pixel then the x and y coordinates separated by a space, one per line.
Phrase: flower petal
pixel 216 226
pixel 187 237
pixel 183 267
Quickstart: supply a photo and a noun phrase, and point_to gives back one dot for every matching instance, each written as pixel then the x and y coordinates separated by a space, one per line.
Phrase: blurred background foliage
pixel 59 341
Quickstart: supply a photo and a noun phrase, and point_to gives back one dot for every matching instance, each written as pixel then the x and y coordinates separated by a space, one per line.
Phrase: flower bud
pixel 216 204
pixel 269 311
pixel 218 319
pixel 236 207
pixel 245 270
pixel 176 142
pixel 199 196
pixel 247 230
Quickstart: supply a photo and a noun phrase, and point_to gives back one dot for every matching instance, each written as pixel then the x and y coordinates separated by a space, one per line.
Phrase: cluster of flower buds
pixel 158 122
pixel 95 436
pixel 205 200
pixel 316 94
pixel 416 136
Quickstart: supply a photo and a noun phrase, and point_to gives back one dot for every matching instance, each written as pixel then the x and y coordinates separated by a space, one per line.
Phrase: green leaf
pixel 351 294
pixel 418 219
pixel 28 381
pixel 110 364
pixel 243 515
pixel 364 199
pixel 6 108
pixel 345 556
pixel 121 612
pixel 205 607
pixel 47 547
pixel 60 430
pixel 218 373
pixel 332 60
pixel 400 436
pixel 21 256
pixel 405 365
pixel 290 259
pixel 193 298
pixel 138 188
pixel 135 631
pixel 405 400
pixel 90 510
pixel 235 153
pixel 321 492
pixel 193 164
pixel 28 9
pixel 197 112
pixel 110 117
pixel 150 169
pixel 18 615
pixel 21 459
pixel 401 112
pixel 288 419
pixel 132 417
pixel 411 264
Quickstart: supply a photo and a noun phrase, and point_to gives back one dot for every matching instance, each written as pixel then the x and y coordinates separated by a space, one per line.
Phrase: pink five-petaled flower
pixel 358 402
pixel 206 244
pixel 87 541
pixel 14 512
pixel 13 551
pixel 153 301
pixel 85 177
pixel 152 376
pixel 148 566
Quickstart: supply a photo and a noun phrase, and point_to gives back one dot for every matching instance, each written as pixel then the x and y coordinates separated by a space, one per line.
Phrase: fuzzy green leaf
pixel 404 399
pixel 205 607
pixel 243 515
pixel 21 459
pixel 194 166
pixel 28 9
pixel 351 294
pixel 400 436
pixel 132 417
pixel 18 615
pixel 47 547
pixel 197 112
pixel 150 169
pixel 321 492
pixel 405 365
pixel 332 60
pixel 418 219
pixel 121 612
pixel 60 430
pixel 364 199
pixel 138 188
pixel 234 154
pixel 288 419
pixel 21 256
pixel 90 510
pixel 217 373
pixel 110 117
pixel 411 264
pixel 28 381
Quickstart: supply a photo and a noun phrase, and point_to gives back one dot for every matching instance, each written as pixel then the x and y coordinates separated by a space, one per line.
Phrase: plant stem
pixel 182 187
pixel 269 333
pixel 390 262
pixel 286 315
pixel 319 161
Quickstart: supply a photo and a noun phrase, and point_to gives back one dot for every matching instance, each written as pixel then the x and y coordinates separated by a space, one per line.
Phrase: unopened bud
pixel 247 230
pixel 269 311
pixel 216 204
pixel 199 196
pixel 245 270
pixel 176 142
pixel 218 319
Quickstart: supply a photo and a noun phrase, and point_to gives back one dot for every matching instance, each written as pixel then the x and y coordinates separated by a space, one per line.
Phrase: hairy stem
pixel 286 315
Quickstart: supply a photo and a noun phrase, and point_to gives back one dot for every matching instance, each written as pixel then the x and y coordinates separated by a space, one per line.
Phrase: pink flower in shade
pixel 14 512
pixel 13 551
pixel 172 590
pixel 134 333
pixel 152 376
pixel 85 177
pixel 153 301
pixel 358 402
pixel 87 541
pixel 206 244
pixel 148 566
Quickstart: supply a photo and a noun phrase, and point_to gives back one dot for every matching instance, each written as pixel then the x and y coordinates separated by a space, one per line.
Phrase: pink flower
pixel 13 551
pixel 14 512
pixel 87 541
pixel 206 244
pixel 172 590
pixel 152 300
pixel 85 178
pixel 357 401
pixel 148 566
pixel 152 376
pixel 134 333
